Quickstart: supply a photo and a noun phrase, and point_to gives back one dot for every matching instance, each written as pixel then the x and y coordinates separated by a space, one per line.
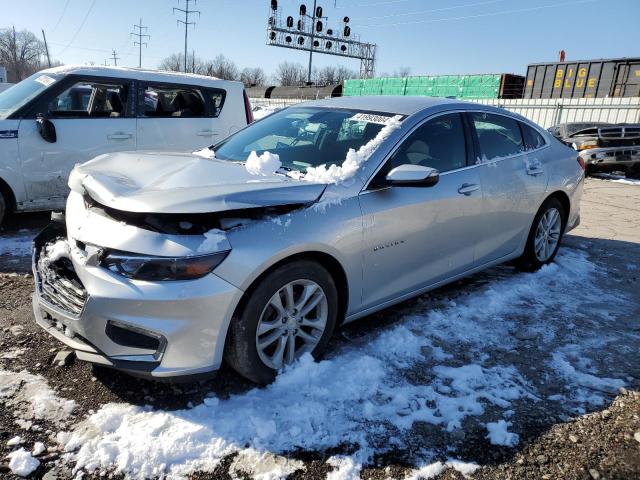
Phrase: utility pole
pixel 137 32
pixel 115 58
pixel 46 48
pixel 187 11
pixel 313 31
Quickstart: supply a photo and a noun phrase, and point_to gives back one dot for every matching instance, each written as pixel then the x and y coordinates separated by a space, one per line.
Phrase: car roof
pixel 401 105
pixel 138 74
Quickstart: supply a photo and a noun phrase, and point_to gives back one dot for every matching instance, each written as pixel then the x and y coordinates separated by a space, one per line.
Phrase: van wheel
pixel 545 236
pixel 290 312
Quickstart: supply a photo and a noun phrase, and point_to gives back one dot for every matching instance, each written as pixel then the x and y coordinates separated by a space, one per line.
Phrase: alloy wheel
pixel 548 234
pixel 292 323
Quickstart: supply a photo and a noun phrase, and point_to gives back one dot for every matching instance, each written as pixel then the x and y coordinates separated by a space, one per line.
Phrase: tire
pixel 267 306
pixel 634 172
pixel 532 259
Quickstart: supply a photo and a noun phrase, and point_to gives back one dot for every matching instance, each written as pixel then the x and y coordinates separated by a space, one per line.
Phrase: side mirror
pixel 46 128
pixel 413 176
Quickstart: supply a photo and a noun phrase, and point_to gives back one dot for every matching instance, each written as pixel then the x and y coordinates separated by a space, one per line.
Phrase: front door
pixel 91 116
pixel 417 236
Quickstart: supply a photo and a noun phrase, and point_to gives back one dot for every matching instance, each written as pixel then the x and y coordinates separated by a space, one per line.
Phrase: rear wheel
pixel 545 236
pixel 292 311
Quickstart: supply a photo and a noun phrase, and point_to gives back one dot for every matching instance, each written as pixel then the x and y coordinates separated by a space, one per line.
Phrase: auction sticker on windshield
pixel 371 118
pixel 45 80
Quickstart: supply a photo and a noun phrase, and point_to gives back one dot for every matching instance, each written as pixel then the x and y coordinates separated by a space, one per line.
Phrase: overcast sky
pixel 429 36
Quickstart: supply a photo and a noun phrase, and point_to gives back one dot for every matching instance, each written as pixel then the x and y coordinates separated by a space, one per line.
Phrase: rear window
pixel 532 137
pixel 173 102
pixel 498 136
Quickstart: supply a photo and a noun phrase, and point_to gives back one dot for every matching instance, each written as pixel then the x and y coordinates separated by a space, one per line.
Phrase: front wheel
pixel 545 236
pixel 290 312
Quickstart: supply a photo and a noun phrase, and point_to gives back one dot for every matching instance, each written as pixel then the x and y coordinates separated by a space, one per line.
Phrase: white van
pixel 66 115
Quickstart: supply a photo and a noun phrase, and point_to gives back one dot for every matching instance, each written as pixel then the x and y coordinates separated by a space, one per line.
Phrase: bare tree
pixel 402 72
pixel 290 74
pixel 253 76
pixel 20 53
pixel 175 63
pixel 172 63
pixel 222 67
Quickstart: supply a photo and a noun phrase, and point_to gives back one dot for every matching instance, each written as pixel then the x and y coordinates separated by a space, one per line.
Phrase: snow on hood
pixel 183 183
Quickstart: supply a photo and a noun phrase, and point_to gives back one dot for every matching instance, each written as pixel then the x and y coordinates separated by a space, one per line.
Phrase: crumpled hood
pixel 154 182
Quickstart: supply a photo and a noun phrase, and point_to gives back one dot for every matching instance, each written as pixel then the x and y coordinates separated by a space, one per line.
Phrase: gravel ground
pixel 602 443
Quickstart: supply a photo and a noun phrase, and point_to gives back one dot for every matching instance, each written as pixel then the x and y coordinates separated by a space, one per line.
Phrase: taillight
pixel 581 163
pixel 247 108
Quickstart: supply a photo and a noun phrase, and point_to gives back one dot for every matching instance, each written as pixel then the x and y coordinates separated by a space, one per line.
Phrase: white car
pixel 67 115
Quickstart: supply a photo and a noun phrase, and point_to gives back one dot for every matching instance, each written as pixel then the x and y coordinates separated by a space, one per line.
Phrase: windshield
pixel 305 137
pixel 15 97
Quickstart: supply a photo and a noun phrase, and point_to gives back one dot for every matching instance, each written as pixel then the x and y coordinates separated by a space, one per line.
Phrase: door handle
pixel 119 136
pixel 535 171
pixel 206 133
pixel 468 188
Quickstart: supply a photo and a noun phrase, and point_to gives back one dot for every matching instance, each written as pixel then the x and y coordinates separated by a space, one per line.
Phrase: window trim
pixel 209 107
pixel 469 152
pixel 508 157
pixel 41 103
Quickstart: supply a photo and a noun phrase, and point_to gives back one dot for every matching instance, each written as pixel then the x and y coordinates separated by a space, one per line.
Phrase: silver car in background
pixel 255 250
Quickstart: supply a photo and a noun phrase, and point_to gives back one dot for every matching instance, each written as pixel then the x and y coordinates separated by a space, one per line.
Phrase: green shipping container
pixel 394 86
pixel 352 88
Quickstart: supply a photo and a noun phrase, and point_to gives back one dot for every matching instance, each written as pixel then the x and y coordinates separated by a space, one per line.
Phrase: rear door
pixel 418 236
pixel 91 116
pixel 513 182
pixel 175 117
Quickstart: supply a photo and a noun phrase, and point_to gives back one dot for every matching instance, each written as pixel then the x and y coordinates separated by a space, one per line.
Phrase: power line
pixel 138 29
pixel 479 15
pixel 434 10
pixel 64 10
pixel 84 20
pixel 115 58
pixel 186 23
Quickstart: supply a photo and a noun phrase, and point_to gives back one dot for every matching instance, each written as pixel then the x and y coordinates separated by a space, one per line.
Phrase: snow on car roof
pixel 137 73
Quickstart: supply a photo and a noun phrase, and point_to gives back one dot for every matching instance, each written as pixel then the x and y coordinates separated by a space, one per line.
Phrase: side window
pixel 532 138
pixel 217 100
pixel 439 143
pixel 91 100
pixel 498 136
pixel 161 101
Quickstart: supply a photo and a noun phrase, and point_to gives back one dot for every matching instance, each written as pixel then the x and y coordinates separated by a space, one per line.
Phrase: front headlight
pixel 586 145
pixel 145 267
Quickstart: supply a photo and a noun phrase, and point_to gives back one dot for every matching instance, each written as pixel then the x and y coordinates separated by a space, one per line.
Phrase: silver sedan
pixel 255 250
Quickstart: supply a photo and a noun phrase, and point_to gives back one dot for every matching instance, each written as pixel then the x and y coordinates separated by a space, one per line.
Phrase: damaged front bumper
pixel 152 329
pixel 612 158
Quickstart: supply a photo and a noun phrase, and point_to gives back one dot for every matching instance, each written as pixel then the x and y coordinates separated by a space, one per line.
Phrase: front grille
pixel 619 133
pixel 60 286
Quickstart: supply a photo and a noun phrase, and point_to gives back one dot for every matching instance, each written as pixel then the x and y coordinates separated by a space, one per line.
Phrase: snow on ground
pixel 32 399
pixel 18 244
pixel 499 434
pixel 617 178
pixel 22 463
pixel 263 111
pixel 466 351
